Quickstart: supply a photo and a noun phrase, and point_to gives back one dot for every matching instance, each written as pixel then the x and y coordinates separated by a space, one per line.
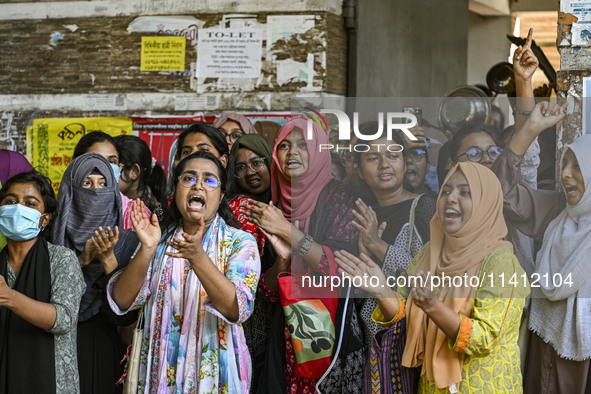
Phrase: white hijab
pixel 561 313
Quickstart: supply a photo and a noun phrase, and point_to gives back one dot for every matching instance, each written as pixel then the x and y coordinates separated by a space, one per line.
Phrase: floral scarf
pixel 188 345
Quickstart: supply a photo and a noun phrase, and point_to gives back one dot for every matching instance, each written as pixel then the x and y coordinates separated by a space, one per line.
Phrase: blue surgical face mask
pixel 116 171
pixel 19 223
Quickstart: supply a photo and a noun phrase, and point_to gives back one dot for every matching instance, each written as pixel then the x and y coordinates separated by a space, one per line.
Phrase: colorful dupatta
pixel 188 345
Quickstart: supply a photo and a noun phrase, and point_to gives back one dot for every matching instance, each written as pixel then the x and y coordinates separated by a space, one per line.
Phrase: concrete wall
pixel 411 48
pixel 534 5
pixel 487 44
pixel 56 55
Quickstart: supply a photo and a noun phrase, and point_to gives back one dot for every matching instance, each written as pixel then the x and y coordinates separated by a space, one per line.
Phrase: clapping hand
pixel 370 234
pixel 351 266
pixel 423 296
pixel 267 216
pixel 147 231
pixel 189 248
pixel 104 242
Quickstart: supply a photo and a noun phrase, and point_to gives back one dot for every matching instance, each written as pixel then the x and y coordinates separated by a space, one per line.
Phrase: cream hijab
pixel 454 255
pixel 560 311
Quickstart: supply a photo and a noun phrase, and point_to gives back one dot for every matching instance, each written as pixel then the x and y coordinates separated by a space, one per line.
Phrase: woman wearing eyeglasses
pixel 417 166
pixel 252 157
pixel 198 284
pixel 234 126
pixel 475 145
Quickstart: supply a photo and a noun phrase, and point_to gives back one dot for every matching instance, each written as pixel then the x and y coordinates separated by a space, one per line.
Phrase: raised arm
pixel 525 64
pixel 530 210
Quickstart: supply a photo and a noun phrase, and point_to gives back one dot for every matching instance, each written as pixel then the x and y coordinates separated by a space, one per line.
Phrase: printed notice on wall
pixel 229 53
pixel 163 53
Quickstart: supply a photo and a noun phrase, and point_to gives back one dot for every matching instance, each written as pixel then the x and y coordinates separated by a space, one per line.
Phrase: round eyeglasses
pixel 233 136
pixel 476 155
pixel 417 155
pixel 208 181
pixel 255 165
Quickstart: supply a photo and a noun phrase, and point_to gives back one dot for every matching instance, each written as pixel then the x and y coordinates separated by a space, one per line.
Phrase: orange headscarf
pixel 455 255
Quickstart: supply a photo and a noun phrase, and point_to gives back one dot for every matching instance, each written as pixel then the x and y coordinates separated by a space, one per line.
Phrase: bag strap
pixel 411 222
pixel 330 194
pixel 139 325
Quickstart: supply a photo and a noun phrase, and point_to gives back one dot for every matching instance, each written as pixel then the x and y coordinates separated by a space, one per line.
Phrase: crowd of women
pixel 206 256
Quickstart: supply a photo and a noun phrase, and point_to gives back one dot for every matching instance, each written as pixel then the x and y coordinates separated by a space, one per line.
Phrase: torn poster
pixel 289 70
pixel 282 26
pixel 186 26
pixel 581 34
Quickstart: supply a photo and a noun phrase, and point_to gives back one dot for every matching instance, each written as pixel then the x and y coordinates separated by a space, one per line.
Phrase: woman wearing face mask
pixel 40 289
pixel 461 334
pixel 90 223
pixel 560 343
pixel 11 163
pixel 103 144
pixel 198 284
pixel 303 192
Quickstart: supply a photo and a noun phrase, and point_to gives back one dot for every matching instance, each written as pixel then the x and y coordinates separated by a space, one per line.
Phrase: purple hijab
pixel 12 163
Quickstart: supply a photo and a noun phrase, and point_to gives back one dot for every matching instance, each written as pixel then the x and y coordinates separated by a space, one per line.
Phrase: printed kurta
pixel 488 337
pixel 188 345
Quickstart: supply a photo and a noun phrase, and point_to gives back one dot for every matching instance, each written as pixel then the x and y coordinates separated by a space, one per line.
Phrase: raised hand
pixel 417 132
pixel 374 281
pixel 545 114
pixel 525 62
pixel 190 247
pixel 148 231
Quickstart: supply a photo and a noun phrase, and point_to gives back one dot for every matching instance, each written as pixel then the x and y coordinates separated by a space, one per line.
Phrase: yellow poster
pixel 165 53
pixel 51 141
